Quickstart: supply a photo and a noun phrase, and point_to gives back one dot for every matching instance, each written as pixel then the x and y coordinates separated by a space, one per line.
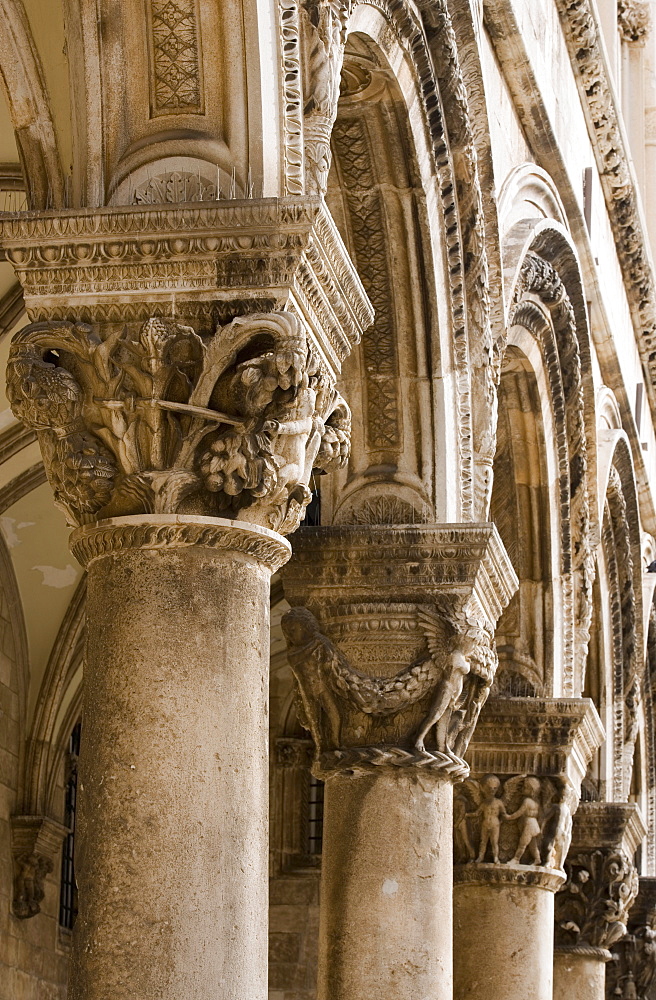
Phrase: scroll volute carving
pixel 592 908
pixel 160 420
pixel 391 670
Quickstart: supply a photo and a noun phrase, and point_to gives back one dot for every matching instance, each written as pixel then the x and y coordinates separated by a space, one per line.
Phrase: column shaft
pixel 385 926
pixel 580 976
pixel 510 931
pixel 172 866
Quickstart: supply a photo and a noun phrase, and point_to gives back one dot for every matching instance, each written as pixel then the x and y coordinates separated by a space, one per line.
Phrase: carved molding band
pixel 543 878
pixel 365 760
pixel 583 37
pixel 107 538
pixel 213 261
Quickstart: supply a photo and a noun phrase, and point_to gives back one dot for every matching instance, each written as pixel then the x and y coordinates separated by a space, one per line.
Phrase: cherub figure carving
pixel 530 829
pixel 492 811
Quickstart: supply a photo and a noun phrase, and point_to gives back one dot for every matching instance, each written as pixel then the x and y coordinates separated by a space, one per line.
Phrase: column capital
pixel 632 972
pixel 390 638
pixel 184 359
pixel 513 816
pixel 591 910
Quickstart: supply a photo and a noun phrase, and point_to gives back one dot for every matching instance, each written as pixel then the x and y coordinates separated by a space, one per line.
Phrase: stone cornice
pixel 457 558
pixel 541 736
pixel 119 534
pixel 583 37
pixel 617 825
pixel 202 262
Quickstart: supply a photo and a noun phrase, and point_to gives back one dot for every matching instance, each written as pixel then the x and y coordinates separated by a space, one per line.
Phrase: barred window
pixel 68 891
pixel 315 816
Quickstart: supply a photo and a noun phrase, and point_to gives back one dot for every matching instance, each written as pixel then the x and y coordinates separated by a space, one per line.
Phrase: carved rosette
pixel 390 638
pixel 513 817
pixel 632 971
pixel 592 908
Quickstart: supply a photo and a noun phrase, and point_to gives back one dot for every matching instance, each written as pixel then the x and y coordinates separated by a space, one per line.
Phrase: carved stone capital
pixel 500 875
pixel 633 20
pixel 528 757
pixel 390 638
pixel 591 910
pixel 632 972
pixel 160 420
pixel 36 843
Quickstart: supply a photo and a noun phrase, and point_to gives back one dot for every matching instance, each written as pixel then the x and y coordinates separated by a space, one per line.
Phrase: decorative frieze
pixel 394 666
pixel 527 757
pixel 592 908
pixel 202 264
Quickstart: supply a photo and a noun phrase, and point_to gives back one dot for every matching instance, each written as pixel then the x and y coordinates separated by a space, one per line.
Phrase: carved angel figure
pixel 324 673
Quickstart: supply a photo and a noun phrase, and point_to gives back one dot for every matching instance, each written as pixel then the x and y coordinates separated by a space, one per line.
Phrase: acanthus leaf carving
pixel 633 20
pixel 160 420
pixel 592 908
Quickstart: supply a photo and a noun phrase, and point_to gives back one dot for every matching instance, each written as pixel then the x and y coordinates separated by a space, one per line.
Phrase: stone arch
pixel 447 234
pixel 57 709
pixel 547 300
pixel 520 508
pixel 21 76
pixel 621 549
pixel 529 193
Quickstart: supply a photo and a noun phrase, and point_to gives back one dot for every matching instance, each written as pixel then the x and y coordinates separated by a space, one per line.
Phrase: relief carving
pixel 436 700
pixel 29 884
pixel 513 821
pixel 160 420
pixel 324 31
pixel 633 20
pixel 176 78
pixel 592 908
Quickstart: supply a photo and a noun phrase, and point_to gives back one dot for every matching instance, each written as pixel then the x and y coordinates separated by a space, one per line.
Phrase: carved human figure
pixel 492 811
pixel 462 840
pixel 528 812
pixel 447 698
pixel 28 884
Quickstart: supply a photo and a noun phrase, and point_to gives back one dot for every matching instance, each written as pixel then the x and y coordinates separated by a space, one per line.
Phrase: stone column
pixel 512 824
pixel 631 974
pixel 390 639
pixel 591 909
pixel 180 415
